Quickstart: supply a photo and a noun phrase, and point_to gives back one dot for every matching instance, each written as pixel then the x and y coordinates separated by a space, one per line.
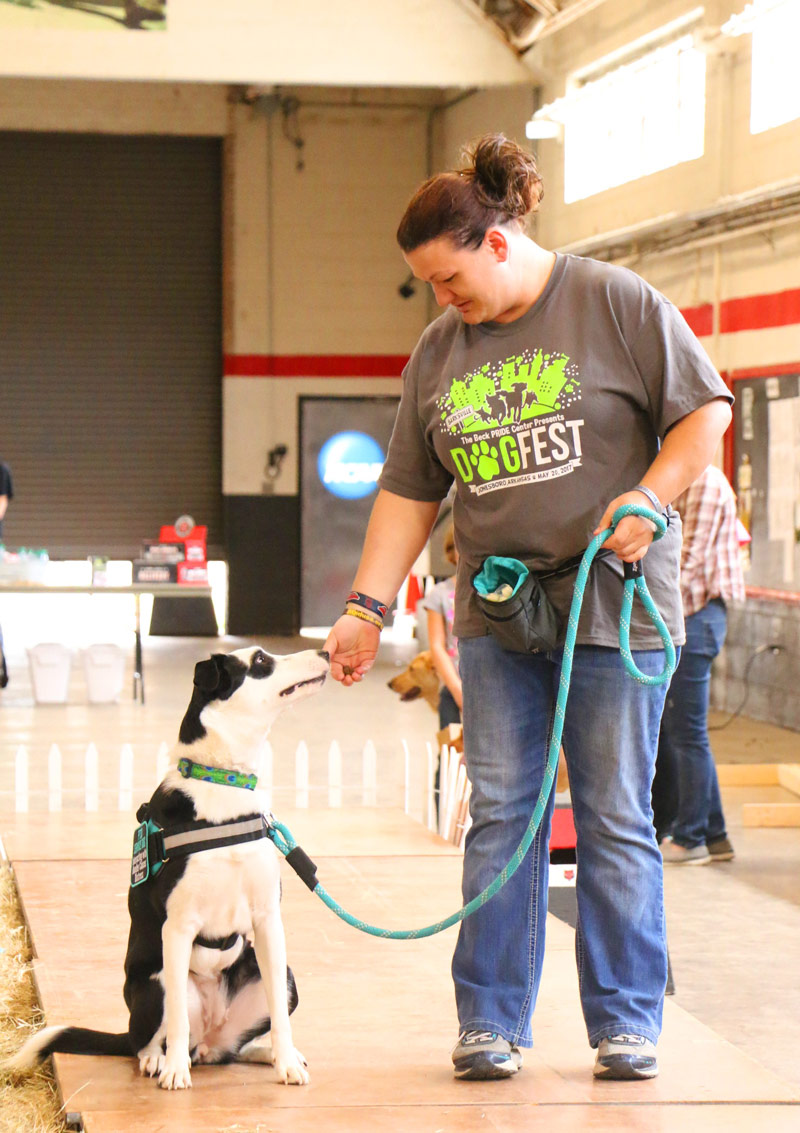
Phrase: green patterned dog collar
pixel 219 775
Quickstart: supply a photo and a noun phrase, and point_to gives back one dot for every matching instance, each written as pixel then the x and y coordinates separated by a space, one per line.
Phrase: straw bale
pixel 28 1103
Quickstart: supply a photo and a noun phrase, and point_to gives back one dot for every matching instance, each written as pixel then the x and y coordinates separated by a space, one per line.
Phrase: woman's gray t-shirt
pixel 542 422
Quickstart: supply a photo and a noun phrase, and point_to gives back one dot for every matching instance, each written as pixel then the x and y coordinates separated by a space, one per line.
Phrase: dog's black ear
pixel 208 674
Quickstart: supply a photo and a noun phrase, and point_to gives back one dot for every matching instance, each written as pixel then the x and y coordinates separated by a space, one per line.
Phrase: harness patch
pixel 153 846
pixel 145 862
pixel 140 866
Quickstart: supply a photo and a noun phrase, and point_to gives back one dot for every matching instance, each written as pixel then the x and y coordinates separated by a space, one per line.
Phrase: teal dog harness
pixel 154 845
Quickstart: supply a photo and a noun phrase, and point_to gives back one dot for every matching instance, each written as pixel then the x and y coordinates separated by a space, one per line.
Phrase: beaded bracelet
pixel 376 608
pixel 364 617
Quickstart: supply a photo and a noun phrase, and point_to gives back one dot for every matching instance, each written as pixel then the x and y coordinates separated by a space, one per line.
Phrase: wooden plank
pixel 771 814
pixel 357 993
pixel 747 774
pixel 500 1118
pixel 789 777
pixel 108 836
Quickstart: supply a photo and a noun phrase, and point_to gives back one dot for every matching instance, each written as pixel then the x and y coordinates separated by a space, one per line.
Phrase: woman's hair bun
pixel 504 175
pixel 499 185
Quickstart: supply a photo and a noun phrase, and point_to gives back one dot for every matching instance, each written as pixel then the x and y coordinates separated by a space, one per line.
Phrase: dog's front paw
pixel 175 1073
pixel 151 1063
pixel 293 1069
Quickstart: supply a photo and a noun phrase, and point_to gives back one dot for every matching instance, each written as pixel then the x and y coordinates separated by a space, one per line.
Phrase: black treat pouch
pixel 523 621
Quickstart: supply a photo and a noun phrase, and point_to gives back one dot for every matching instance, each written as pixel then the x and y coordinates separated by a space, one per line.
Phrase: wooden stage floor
pixel 376 1019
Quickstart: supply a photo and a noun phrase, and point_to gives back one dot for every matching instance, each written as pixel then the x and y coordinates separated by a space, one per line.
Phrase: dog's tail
pixel 67 1040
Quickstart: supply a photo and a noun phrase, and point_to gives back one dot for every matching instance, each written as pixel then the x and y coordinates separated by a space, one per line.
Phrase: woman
pixel 553 390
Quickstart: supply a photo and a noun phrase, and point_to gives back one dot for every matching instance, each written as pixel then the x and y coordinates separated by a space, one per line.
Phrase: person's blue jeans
pixel 684 748
pixel 449 712
pixel 610 737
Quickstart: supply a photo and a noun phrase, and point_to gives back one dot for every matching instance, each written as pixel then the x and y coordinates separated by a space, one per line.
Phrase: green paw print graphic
pixel 485 460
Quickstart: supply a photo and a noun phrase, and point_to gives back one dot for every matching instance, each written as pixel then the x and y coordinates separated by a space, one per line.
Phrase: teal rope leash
pixel 634 581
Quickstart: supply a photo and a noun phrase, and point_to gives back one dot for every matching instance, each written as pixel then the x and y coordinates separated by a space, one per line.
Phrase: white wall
pixel 504 110
pixel 734 162
pixel 312 264
pixel 337 265
pixel 347 42
pixel 749 267
pixel 113 107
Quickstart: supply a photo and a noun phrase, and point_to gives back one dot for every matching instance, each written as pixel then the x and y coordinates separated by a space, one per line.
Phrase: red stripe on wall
pixel 758 312
pixel 700 319
pixel 752 312
pixel 773 371
pixel 314 365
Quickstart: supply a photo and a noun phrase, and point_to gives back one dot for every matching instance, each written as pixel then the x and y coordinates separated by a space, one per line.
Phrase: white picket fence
pixel 335 791
pixel 454 794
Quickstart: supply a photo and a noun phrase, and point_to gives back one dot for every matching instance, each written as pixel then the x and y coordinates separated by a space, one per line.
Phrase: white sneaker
pixel 625 1058
pixel 675 854
pixel 483 1055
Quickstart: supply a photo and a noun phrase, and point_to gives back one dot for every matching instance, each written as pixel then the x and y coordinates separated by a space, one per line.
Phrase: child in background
pixel 439 606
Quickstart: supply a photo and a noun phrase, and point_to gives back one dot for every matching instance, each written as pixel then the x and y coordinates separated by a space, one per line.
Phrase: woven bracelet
pixel 376 608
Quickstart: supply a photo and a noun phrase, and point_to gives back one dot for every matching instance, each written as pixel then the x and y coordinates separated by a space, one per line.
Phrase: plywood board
pixel 771 814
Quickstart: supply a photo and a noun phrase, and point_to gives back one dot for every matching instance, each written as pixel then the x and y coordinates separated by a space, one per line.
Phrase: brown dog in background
pixel 419 679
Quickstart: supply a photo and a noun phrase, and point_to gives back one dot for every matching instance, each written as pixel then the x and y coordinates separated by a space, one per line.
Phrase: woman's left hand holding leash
pixel 633 535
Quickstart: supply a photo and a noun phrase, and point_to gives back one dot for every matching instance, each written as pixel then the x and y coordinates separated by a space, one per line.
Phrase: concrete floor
pixel 734 928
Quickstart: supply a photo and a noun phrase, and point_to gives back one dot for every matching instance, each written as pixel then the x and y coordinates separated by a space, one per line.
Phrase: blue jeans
pixel 610 737
pixel 449 712
pixel 684 754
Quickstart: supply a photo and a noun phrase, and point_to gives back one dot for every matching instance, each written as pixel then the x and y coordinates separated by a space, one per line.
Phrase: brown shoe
pixel 721 850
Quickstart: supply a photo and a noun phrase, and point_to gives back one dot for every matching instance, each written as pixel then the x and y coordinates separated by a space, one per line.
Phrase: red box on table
pixel 193 571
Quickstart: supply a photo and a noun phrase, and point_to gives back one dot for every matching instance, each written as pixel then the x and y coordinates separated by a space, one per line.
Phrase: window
pixel 775 92
pixel 640 117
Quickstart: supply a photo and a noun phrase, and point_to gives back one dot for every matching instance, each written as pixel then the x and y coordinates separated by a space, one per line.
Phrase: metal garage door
pixel 110 339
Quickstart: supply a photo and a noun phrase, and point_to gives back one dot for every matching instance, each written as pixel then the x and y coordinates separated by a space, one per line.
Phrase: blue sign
pixel 349 465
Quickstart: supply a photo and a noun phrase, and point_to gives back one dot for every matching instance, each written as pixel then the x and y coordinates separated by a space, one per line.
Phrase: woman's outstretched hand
pixel 352 646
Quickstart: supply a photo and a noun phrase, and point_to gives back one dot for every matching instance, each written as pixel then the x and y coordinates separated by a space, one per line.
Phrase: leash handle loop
pixel 635 581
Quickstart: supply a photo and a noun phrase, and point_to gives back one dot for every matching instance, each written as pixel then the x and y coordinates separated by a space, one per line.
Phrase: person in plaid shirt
pixel 686 801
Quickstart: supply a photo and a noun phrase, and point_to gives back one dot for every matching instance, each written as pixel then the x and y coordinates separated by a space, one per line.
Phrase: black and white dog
pixel 196 988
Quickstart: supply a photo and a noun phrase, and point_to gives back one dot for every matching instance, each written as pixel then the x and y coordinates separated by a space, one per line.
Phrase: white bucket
pixel 50 665
pixel 104 666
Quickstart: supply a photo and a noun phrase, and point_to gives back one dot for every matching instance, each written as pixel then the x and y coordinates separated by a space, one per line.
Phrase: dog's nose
pixel 324 655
